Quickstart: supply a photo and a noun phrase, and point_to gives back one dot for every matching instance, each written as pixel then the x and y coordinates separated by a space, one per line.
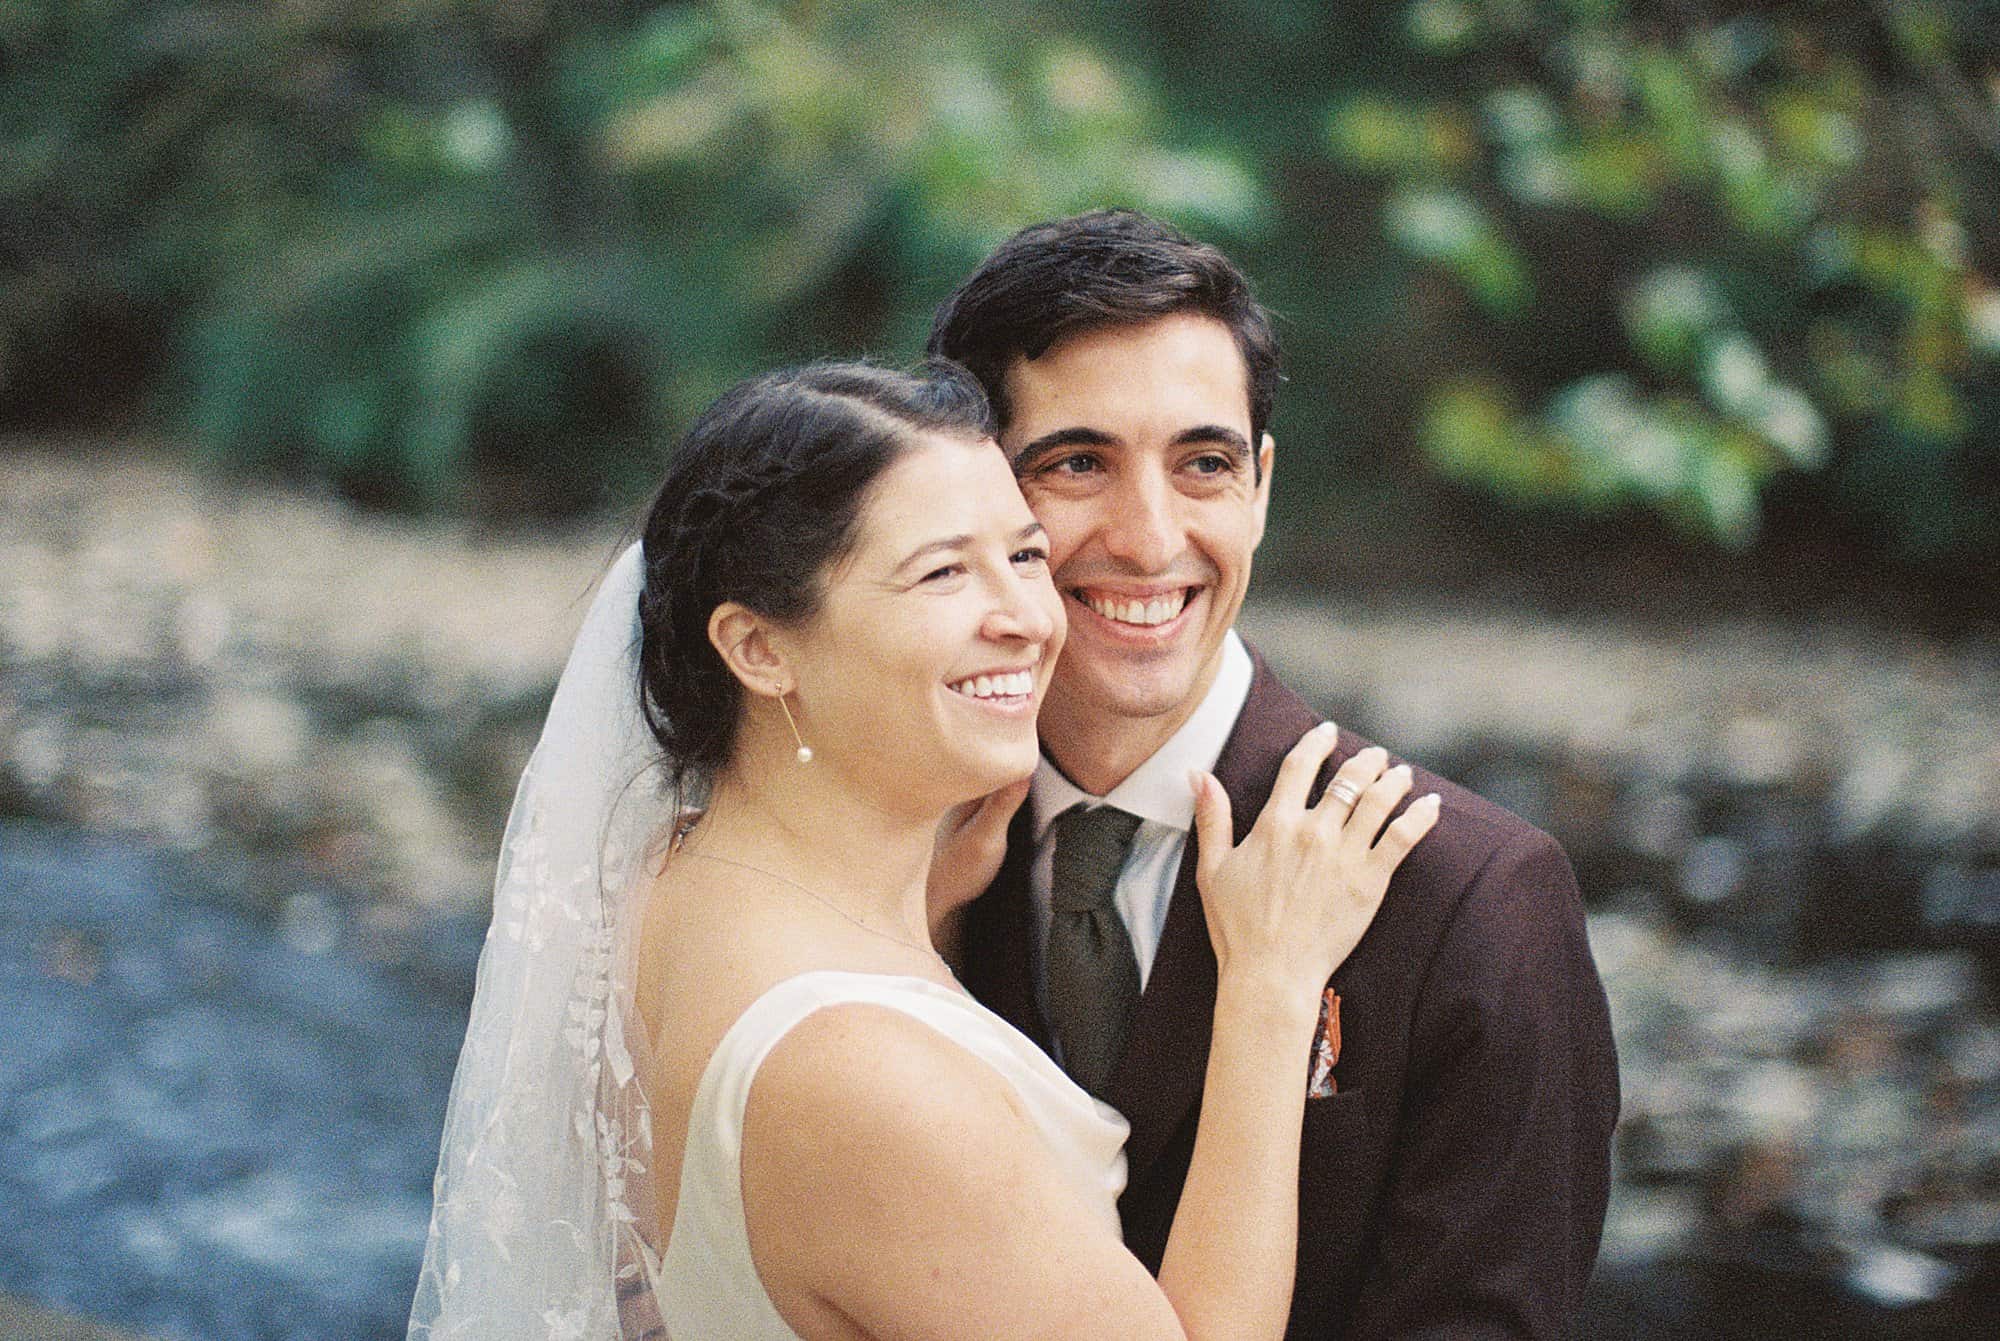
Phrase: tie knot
pixel 1090 850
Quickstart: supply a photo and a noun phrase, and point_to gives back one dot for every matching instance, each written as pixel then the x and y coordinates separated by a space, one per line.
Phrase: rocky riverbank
pixel 1790 836
pixel 211 666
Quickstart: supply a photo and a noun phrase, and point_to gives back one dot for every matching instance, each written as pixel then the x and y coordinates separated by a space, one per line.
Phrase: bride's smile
pixel 936 634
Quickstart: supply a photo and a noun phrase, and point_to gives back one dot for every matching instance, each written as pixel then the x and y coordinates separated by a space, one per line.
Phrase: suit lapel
pixel 1158 1080
pixel 1000 960
pixel 1159 1075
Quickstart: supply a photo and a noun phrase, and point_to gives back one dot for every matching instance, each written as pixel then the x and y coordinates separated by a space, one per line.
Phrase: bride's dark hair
pixel 760 499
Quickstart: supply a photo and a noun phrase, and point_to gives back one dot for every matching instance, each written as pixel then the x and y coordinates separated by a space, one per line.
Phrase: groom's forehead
pixel 1121 351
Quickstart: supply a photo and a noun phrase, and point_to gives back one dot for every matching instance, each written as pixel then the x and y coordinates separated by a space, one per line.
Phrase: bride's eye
pixel 1031 555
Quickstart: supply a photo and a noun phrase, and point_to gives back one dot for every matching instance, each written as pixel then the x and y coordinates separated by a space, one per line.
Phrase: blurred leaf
pixel 1442 27
pixel 398 241
pixel 1370 133
pixel 1617 174
pixel 1674 103
pixel 1777 218
pixel 1522 116
pixel 1450 227
pixel 412 247
pixel 1922 30
pixel 1669 313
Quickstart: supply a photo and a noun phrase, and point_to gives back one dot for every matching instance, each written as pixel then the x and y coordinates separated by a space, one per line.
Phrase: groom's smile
pixel 1151 610
pixel 1132 446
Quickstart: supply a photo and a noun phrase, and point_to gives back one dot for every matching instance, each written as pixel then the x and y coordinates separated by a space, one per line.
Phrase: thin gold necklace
pixel 928 952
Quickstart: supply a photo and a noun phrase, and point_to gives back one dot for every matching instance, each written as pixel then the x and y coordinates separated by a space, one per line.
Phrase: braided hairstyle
pixel 762 497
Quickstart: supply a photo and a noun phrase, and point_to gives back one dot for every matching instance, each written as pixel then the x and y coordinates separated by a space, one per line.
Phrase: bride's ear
pixel 743 638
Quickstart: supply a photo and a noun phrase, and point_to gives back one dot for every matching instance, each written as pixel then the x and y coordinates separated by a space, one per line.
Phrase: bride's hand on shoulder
pixel 1294 898
pixel 971 843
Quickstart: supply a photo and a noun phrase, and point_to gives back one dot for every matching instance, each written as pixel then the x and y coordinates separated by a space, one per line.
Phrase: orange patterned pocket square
pixel 1326 1048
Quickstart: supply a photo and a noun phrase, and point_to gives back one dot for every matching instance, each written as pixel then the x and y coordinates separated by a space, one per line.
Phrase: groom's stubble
pixel 1132 446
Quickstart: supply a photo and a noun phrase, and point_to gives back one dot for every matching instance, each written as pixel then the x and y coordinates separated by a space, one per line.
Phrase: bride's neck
pixel 806 823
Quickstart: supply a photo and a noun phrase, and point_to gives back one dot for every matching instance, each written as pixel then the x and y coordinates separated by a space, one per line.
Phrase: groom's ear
pixel 742 638
pixel 1267 456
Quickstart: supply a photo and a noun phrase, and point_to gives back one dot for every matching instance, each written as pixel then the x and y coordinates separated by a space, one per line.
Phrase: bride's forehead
pixel 952 483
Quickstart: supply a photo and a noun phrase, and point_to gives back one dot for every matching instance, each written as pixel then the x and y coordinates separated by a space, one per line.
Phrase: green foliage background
pixel 1701 260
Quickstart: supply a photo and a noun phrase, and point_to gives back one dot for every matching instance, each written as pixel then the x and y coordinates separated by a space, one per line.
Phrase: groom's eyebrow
pixel 1219 435
pixel 1077 436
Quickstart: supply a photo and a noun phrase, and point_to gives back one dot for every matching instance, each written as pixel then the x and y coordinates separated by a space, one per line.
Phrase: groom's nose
pixel 1140 527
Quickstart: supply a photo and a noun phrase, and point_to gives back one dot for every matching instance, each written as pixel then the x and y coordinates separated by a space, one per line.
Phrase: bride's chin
pixel 1013 768
pixel 991 769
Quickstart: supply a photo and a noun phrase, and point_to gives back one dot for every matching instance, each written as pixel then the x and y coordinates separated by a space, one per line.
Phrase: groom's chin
pixel 1120 688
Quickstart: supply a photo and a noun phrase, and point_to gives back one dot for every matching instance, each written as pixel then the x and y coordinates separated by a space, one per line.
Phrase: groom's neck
pixel 1098 750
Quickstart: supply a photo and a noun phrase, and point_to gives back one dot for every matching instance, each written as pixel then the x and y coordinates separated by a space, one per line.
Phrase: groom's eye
pixel 1076 463
pixel 949 570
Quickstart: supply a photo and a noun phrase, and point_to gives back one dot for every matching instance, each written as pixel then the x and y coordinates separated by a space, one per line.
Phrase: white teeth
pixel 1014 684
pixel 1156 611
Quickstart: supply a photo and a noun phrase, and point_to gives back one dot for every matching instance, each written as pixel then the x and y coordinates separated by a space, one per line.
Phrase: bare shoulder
pixel 860 1076
pixel 891 1182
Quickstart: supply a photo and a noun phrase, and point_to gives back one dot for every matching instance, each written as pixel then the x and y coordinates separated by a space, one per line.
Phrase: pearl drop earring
pixel 805 750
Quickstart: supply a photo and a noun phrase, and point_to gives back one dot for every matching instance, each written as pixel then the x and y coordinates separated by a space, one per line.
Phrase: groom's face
pixel 1132 446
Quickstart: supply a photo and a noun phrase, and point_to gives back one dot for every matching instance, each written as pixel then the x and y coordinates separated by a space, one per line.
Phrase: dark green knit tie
pixel 1093 975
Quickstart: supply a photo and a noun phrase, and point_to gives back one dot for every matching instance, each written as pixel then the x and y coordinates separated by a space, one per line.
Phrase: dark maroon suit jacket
pixel 1455 1185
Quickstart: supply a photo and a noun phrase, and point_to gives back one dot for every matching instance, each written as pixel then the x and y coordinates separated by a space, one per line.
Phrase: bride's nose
pixel 1019 614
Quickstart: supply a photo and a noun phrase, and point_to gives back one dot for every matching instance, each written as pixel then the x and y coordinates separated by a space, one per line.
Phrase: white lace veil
pixel 543 1218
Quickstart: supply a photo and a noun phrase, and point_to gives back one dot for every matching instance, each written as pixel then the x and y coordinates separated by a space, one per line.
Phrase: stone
pixel 1758 751
pixel 1713 868
pixel 1896 1277
pixel 1643 1226
pixel 1960 897
pixel 1872 791
pixel 1657 820
pixel 261 733
pixel 1773 1100
pixel 1923 987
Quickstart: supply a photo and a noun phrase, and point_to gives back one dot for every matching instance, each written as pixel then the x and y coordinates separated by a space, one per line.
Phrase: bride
pixel 718 1080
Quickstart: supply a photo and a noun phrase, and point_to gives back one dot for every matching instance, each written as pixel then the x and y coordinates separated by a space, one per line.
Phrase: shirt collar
pixel 1158 790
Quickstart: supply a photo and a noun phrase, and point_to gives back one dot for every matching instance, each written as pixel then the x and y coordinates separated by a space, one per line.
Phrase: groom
pixel 1453 1176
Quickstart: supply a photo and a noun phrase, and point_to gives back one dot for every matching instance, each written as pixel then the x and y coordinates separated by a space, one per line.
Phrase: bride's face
pixel 923 671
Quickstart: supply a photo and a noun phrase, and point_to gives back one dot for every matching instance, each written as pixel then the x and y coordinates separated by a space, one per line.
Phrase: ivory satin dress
pixel 708 1286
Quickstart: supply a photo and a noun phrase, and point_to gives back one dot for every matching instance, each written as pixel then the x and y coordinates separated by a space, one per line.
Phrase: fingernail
pixel 1195 777
pixel 1328 728
pixel 1431 797
pixel 1404 769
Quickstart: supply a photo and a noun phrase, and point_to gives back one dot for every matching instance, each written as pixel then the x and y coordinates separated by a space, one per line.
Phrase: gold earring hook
pixel 805 750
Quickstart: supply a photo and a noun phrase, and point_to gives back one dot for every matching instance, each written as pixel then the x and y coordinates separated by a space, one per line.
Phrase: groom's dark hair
pixel 763 496
pixel 1107 268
